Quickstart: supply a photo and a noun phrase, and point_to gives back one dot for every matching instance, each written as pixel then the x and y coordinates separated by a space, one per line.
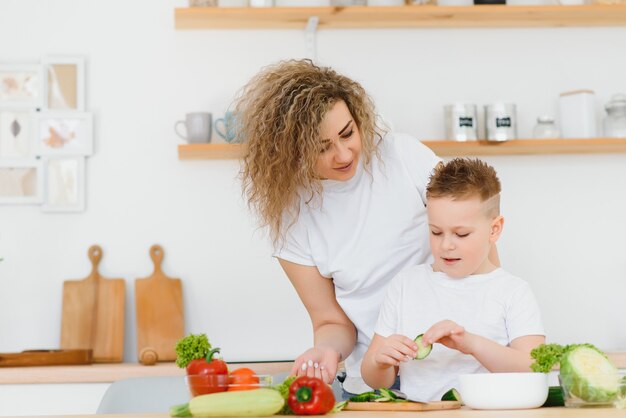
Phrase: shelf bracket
pixel 309 37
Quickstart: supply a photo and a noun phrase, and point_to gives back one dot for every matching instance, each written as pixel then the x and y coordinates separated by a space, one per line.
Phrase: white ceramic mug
pixel 197 126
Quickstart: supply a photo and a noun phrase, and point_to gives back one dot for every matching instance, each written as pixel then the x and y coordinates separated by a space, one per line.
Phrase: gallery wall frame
pixel 21 86
pixel 64 82
pixel 65 185
pixel 21 181
pixel 16 133
pixel 63 133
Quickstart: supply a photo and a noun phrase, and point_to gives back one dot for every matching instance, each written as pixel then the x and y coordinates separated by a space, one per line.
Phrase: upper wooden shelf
pixel 415 16
pixel 448 148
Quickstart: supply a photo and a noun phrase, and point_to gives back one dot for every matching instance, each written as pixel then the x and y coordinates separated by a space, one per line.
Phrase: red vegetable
pixel 310 396
pixel 243 379
pixel 207 375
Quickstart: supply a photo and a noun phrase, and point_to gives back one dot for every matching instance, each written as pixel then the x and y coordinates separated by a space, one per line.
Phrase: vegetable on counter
pixel 248 403
pixel 243 379
pixel 452 395
pixel 310 396
pixel 204 372
pixel 585 371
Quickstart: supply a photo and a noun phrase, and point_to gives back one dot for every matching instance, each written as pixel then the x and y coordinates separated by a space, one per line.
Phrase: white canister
pixel 577 113
pixel 232 3
pixel 385 2
pixel 460 122
pixel 500 122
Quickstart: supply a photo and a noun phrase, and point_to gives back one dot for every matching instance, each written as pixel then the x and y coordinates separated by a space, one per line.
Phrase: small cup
pixel 500 122
pixel 226 127
pixel 197 126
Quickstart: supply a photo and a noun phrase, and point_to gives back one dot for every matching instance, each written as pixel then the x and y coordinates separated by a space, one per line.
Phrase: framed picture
pixel 64 83
pixel 21 182
pixel 15 133
pixel 64 179
pixel 63 133
pixel 21 86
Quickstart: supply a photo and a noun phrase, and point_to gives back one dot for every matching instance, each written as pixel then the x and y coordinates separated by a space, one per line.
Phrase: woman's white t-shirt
pixel 496 305
pixel 363 232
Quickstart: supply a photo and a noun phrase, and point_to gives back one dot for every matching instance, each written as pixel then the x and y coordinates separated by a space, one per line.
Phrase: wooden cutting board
pixel 93 314
pixel 160 317
pixel 46 358
pixel 402 406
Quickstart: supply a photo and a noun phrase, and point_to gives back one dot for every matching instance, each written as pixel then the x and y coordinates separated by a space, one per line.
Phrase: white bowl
pixel 504 390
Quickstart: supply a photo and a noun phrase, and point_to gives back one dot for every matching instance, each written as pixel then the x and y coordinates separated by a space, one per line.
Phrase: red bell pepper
pixel 207 375
pixel 310 396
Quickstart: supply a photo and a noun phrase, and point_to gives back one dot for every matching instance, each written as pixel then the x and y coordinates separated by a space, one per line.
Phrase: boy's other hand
pixel 450 334
pixel 395 349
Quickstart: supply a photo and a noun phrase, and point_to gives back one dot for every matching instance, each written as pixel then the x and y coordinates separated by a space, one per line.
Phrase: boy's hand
pixel 395 349
pixel 450 334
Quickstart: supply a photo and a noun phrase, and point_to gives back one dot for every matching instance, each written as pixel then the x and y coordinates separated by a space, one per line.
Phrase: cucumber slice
pixel 452 395
pixel 422 350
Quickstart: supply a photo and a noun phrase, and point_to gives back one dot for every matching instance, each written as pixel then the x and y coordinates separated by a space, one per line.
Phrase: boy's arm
pixel 379 367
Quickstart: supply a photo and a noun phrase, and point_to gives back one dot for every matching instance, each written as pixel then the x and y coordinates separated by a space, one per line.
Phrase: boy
pixel 483 318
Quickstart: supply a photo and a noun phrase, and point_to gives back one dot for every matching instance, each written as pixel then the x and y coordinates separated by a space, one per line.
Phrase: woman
pixel 344 202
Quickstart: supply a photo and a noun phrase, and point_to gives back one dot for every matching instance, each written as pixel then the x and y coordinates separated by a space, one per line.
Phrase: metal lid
pixel 618 102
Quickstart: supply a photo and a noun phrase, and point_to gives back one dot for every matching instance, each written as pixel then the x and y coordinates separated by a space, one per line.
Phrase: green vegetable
pixel 365 397
pixel 555 397
pixel 452 395
pixel 422 350
pixel 190 348
pixel 588 374
pixel 546 356
pixel 244 403
pixel 283 389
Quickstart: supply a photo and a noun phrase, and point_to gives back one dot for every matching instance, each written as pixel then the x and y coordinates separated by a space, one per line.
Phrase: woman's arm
pixel 334 333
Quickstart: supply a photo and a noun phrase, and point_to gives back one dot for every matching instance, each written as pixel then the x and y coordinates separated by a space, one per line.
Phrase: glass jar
pixel 615 121
pixel 546 128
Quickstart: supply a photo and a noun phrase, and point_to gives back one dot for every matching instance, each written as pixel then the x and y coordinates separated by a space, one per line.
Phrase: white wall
pixel 564 214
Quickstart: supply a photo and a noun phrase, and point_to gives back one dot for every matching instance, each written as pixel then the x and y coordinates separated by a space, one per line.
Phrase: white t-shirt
pixel 496 305
pixel 365 231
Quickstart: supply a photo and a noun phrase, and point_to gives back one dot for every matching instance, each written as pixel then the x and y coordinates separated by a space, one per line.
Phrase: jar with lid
pixel 615 121
pixel 546 128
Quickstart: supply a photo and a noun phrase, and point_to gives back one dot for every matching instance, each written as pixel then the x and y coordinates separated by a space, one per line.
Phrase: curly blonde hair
pixel 279 113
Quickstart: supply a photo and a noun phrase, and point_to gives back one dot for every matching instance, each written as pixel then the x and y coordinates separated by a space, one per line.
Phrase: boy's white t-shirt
pixel 365 231
pixel 496 305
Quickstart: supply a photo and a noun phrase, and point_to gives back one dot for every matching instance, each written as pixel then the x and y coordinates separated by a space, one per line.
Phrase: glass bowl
pixel 577 393
pixel 202 384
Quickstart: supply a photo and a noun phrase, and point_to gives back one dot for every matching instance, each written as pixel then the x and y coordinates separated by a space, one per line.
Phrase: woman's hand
pixel 450 334
pixel 394 350
pixel 320 362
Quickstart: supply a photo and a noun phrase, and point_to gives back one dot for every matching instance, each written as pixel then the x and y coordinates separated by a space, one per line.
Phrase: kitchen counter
pixel 459 413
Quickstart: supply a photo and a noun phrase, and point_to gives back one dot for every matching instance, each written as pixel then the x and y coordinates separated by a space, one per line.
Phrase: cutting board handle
pixel 95 255
pixel 157 254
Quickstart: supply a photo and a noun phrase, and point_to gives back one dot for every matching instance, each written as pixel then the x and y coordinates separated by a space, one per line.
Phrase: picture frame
pixel 64 83
pixel 16 133
pixel 63 133
pixel 21 181
pixel 64 184
pixel 21 86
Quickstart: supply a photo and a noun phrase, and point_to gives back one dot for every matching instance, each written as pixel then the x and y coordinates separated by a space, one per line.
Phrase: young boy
pixel 481 317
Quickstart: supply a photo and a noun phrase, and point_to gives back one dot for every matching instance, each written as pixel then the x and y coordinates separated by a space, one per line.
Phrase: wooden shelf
pixel 415 16
pixel 448 148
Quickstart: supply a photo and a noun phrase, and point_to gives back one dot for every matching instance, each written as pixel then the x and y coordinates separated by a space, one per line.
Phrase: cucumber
pixel 245 403
pixel 452 395
pixel 555 397
pixel 422 350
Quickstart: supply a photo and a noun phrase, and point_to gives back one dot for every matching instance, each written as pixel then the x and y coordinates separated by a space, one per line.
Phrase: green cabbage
pixel 589 375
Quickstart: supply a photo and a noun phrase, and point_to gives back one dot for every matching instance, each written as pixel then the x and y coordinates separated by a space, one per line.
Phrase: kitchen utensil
pixel 160 319
pixel 198 127
pixel 504 390
pixel 402 406
pixel 46 358
pixel 460 122
pixel 500 122
pixel 93 314
pixel 615 121
pixel 577 114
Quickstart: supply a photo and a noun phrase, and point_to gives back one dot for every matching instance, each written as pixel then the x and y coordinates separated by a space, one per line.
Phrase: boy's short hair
pixel 464 178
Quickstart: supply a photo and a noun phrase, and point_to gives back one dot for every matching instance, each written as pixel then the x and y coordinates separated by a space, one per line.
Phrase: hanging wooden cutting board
pixel 93 314
pixel 402 406
pixel 160 318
